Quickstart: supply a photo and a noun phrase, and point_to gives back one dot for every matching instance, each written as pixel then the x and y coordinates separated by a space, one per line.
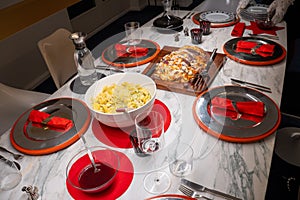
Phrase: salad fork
pixel 191 193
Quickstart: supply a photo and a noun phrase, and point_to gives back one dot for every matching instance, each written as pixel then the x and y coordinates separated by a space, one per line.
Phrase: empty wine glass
pixel 150 136
pixel 10 175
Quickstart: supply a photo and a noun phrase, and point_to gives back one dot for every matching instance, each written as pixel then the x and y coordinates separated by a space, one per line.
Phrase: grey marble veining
pixel 238 169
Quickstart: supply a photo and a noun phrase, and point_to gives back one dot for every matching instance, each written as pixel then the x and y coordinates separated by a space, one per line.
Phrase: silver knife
pixel 249 83
pixel 201 188
pixel 253 85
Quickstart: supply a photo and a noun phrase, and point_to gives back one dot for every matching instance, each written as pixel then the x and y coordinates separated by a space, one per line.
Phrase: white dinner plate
pixel 217 16
pixel 257 11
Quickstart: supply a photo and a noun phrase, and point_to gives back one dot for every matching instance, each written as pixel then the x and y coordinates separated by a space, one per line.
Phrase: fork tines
pixel 191 193
pixel 199 82
pixel 185 190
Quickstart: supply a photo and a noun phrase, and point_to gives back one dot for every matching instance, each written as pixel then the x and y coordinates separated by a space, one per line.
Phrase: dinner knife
pixel 201 188
pixel 107 68
pixel 249 83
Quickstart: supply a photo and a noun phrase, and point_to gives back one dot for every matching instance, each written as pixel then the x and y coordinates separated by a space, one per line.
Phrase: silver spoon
pixel 90 155
pixel 15 155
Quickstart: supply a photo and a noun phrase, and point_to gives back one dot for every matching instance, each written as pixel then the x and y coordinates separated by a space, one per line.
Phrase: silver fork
pixel 191 193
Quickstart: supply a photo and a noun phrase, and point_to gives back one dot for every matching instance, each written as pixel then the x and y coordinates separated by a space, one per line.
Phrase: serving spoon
pixel 90 155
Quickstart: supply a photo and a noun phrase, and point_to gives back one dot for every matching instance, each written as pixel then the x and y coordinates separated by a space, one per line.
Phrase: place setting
pixel 217 18
pixel 50 126
pixel 236 113
pixel 254 51
pixel 131 51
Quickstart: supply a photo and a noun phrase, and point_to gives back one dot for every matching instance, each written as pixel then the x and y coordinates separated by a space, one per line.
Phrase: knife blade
pixel 249 83
pixel 201 188
pixel 109 68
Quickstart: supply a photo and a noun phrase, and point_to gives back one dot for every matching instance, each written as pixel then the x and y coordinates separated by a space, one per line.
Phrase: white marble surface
pixel 238 169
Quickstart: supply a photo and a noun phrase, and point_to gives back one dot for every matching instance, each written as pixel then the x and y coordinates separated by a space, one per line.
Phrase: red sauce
pixel 89 179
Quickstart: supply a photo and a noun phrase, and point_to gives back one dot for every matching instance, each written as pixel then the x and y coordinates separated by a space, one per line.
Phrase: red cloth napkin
pixel 130 51
pixel 250 110
pixel 263 50
pixel 256 30
pixel 55 122
pixel 238 29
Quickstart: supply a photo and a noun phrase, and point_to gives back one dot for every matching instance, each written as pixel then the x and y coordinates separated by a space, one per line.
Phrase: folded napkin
pixel 263 50
pixel 238 29
pixel 130 51
pixel 44 119
pixel 250 110
pixel 256 30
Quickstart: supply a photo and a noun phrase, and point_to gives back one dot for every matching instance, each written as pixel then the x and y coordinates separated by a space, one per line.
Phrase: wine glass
pixel 10 175
pixel 150 136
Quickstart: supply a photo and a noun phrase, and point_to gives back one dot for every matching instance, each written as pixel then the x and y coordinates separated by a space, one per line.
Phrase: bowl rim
pixel 129 111
pixel 92 148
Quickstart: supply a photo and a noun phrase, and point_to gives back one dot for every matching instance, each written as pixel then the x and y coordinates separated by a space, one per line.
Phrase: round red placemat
pixel 119 186
pixel 116 137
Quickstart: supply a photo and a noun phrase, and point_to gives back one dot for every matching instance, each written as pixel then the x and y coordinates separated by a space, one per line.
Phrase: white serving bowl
pixel 121 119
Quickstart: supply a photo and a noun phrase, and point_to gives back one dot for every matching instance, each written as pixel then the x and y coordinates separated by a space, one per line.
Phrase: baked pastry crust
pixel 181 65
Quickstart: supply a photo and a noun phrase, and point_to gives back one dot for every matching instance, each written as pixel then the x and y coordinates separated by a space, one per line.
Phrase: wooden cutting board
pixel 183 88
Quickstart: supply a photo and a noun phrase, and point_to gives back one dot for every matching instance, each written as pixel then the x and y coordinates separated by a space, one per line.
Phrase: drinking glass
pixel 150 131
pixel 196 35
pixel 150 136
pixel 205 26
pixel 10 176
pixel 133 32
pixel 180 157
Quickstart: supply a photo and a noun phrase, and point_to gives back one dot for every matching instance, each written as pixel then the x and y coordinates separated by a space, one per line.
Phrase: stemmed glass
pixel 150 136
pixel 167 6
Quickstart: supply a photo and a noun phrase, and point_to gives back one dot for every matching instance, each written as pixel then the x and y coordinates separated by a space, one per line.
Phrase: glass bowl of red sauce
pixel 81 173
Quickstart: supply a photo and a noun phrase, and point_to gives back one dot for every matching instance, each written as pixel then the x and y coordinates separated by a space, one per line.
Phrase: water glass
pixel 10 176
pixel 149 131
pixel 133 32
pixel 180 157
pixel 196 35
pixel 205 26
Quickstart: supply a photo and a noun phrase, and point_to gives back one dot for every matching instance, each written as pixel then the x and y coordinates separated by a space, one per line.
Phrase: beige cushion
pixel 58 52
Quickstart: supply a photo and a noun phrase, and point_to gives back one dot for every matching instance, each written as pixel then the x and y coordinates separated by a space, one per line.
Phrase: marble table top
pixel 238 169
